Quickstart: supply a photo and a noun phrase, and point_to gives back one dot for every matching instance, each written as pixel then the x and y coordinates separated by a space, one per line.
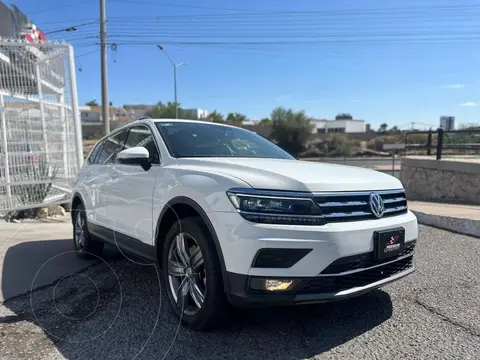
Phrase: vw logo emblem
pixel 376 205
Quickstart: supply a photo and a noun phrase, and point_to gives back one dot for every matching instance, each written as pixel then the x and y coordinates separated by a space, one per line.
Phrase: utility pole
pixel 103 65
pixel 175 89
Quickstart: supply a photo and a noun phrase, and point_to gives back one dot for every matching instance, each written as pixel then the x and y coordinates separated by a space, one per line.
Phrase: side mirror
pixel 135 156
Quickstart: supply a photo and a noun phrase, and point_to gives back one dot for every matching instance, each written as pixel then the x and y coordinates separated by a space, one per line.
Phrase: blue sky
pixel 393 61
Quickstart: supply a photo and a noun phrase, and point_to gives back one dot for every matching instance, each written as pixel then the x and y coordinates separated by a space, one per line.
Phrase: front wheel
pixel 192 275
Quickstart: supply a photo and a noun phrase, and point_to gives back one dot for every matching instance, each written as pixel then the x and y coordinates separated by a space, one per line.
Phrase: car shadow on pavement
pixel 23 261
pixel 116 310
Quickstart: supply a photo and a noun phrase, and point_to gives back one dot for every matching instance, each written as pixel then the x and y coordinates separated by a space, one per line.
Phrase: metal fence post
pixel 76 112
pixel 440 143
pixel 65 145
pixel 42 112
pixel 5 151
pixel 429 142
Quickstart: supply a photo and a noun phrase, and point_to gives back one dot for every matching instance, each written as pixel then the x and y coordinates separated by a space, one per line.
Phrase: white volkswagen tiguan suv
pixel 232 219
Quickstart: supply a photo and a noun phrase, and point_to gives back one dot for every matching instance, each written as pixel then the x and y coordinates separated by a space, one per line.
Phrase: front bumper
pixel 241 241
pixel 318 289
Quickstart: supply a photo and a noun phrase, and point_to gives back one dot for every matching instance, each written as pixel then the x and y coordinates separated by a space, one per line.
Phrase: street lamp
pixel 174 76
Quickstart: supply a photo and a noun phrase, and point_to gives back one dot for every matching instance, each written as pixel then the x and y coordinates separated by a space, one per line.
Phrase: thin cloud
pixel 454 86
pixel 355 101
pixel 470 103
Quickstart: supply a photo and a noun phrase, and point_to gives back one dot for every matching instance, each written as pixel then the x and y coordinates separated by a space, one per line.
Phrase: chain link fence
pixel 41 143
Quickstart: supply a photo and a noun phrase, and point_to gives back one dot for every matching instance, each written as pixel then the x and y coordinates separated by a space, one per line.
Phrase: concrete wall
pixel 363 136
pixel 453 181
pixel 355 126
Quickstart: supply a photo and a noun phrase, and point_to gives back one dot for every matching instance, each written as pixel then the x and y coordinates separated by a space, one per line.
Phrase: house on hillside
pixel 343 123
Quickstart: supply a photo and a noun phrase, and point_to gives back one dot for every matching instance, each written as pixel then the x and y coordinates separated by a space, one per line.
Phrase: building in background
pixel 15 24
pixel 343 123
pixel 447 123
pixel 196 113
pixel 92 115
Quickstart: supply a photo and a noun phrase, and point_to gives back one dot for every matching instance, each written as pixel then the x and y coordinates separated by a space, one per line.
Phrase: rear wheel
pixel 192 275
pixel 83 242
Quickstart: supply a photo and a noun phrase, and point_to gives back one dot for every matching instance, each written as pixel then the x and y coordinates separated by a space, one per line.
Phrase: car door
pixel 105 179
pixel 91 179
pixel 131 209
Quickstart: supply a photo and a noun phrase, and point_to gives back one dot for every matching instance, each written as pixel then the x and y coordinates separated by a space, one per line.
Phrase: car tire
pixel 85 245
pixel 205 279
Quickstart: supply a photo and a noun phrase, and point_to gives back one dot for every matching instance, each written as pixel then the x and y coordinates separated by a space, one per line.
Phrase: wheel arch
pixel 180 207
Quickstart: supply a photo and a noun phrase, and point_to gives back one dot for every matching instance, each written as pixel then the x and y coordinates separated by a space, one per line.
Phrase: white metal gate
pixel 41 142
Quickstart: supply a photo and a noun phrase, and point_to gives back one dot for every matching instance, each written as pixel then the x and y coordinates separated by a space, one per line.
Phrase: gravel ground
pixel 116 310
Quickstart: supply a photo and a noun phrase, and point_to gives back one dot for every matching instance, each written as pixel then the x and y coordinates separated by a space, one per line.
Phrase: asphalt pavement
pixel 116 309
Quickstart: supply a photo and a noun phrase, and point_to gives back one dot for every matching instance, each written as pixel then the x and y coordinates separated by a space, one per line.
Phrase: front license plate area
pixel 389 243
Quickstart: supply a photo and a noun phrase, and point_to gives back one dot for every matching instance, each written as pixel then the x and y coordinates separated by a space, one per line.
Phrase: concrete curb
pixel 459 225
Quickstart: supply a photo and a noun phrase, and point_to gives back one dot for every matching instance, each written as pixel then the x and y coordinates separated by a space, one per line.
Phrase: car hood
pixel 294 175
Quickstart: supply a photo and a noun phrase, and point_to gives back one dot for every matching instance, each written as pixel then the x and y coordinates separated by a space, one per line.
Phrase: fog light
pixel 276 285
pixel 271 284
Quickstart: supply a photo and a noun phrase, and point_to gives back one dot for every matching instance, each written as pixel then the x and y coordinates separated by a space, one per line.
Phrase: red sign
pixel 35 35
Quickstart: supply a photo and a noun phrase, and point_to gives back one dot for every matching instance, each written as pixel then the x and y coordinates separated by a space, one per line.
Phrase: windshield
pixel 189 139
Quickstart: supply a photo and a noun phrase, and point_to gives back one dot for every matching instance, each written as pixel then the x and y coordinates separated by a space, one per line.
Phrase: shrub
pixel 291 129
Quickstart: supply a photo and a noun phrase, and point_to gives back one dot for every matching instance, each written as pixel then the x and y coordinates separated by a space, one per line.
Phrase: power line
pixel 71 28
pixel 173 5
pixel 261 17
pixel 129 34
pixel 293 42
pixel 358 11
pixel 60 7
pixel 87 53
pixel 69 21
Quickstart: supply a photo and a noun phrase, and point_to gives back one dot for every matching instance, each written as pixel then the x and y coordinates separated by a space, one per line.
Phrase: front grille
pixel 333 284
pixel 354 206
pixel 362 261
pixel 278 258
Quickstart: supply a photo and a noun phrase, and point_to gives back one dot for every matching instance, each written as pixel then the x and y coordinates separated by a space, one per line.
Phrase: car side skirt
pixel 125 242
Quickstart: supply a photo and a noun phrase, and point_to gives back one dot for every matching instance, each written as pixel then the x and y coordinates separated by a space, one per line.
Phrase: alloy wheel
pixel 80 230
pixel 186 273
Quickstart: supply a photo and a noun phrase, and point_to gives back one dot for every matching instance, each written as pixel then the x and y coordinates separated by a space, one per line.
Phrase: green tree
pixel 236 118
pixel 383 127
pixel 92 103
pixel 395 129
pixel 168 111
pixel 215 116
pixel 291 129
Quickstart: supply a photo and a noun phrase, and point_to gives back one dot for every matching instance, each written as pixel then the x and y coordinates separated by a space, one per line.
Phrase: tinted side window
pixel 94 153
pixel 111 147
pixel 142 136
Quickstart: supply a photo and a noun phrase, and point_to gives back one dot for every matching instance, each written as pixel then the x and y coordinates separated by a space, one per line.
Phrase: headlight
pixel 276 208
